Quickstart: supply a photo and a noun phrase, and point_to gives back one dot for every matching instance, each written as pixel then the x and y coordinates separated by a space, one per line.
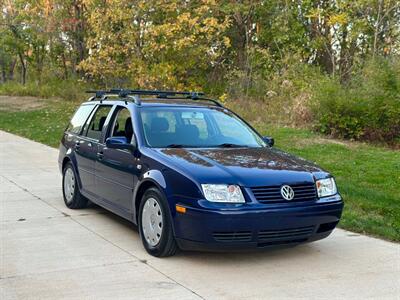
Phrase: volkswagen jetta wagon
pixel 191 174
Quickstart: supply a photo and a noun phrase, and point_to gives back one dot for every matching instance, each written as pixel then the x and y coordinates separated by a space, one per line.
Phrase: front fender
pixel 156 176
pixel 176 187
pixel 147 179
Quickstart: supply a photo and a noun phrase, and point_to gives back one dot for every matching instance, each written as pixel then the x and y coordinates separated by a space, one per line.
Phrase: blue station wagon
pixel 191 174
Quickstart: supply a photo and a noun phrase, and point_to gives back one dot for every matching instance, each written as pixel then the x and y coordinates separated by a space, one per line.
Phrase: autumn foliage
pixel 281 58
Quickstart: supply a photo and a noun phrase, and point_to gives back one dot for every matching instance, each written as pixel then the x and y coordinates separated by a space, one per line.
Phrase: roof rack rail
pixel 124 93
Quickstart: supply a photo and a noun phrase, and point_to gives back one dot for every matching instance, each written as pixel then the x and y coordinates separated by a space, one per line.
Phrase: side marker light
pixel 180 209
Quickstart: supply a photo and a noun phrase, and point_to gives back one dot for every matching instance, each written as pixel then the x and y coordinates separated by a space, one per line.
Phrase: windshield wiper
pixel 224 145
pixel 230 145
pixel 175 146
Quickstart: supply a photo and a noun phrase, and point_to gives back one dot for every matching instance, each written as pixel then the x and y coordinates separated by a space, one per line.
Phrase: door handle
pixel 100 155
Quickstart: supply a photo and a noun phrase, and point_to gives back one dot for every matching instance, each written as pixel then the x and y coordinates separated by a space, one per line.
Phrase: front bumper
pixel 225 229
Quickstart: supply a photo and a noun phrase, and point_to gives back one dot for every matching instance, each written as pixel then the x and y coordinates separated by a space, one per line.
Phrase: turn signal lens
pixel 180 209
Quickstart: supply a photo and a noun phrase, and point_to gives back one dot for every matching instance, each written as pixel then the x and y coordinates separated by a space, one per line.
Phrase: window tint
pixel 79 118
pixel 123 124
pixel 96 124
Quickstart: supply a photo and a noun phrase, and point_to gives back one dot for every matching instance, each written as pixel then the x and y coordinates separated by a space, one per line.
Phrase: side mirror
pixel 269 140
pixel 119 142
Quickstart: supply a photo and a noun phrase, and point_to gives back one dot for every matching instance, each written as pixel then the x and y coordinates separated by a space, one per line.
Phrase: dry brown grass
pixel 276 110
pixel 17 103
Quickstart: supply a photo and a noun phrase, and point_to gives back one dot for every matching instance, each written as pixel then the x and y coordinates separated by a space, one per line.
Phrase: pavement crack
pixel 102 237
pixel 31 193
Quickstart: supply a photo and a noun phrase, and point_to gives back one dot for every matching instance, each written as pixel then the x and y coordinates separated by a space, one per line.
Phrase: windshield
pixel 175 127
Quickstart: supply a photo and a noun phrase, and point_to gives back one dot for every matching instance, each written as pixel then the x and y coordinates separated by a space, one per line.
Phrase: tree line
pixel 167 43
pixel 332 65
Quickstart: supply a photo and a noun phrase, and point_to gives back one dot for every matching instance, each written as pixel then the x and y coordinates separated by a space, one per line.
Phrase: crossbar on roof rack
pixel 123 93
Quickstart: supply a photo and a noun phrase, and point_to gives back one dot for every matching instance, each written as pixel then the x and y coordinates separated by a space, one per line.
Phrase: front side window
pixel 95 127
pixel 196 127
pixel 122 125
pixel 78 120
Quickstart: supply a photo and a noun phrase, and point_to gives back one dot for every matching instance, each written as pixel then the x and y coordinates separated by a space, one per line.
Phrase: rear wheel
pixel 155 226
pixel 72 197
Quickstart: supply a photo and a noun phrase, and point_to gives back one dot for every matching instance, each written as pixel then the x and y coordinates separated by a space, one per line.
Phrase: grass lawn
pixel 44 124
pixel 368 177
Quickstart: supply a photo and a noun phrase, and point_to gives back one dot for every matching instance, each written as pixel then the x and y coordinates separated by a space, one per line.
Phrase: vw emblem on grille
pixel 287 192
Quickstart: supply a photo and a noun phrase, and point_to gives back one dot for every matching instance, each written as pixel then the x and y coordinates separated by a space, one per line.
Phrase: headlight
pixel 326 187
pixel 223 193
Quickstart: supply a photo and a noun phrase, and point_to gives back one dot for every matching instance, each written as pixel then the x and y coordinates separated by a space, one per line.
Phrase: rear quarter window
pixel 78 120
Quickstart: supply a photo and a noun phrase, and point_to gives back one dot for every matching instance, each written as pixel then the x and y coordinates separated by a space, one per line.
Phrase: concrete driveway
pixel 49 251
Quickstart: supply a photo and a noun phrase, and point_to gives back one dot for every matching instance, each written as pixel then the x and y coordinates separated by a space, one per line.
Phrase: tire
pixel 158 240
pixel 72 197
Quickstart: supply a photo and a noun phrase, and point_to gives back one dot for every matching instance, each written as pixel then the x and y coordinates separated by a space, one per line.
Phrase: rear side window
pixel 78 120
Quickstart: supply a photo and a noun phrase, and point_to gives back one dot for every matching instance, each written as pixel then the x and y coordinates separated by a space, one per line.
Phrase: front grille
pixel 272 194
pixel 242 236
pixel 286 234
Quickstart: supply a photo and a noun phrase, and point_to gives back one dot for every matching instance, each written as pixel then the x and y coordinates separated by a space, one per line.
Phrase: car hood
pixel 244 166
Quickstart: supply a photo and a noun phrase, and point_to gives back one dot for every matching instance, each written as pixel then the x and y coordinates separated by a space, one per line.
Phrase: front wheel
pixel 155 226
pixel 72 196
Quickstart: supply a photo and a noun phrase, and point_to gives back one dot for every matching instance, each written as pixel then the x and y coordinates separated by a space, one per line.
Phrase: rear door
pixel 72 138
pixel 87 147
pixel 116 169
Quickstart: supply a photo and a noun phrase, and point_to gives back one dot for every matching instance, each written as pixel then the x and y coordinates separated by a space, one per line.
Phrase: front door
pixel 115 171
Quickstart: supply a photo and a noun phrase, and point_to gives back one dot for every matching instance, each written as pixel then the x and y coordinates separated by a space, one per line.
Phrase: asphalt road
pixel 49 251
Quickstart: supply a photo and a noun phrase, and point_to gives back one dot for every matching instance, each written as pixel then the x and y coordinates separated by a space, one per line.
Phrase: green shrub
pixel 366 108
